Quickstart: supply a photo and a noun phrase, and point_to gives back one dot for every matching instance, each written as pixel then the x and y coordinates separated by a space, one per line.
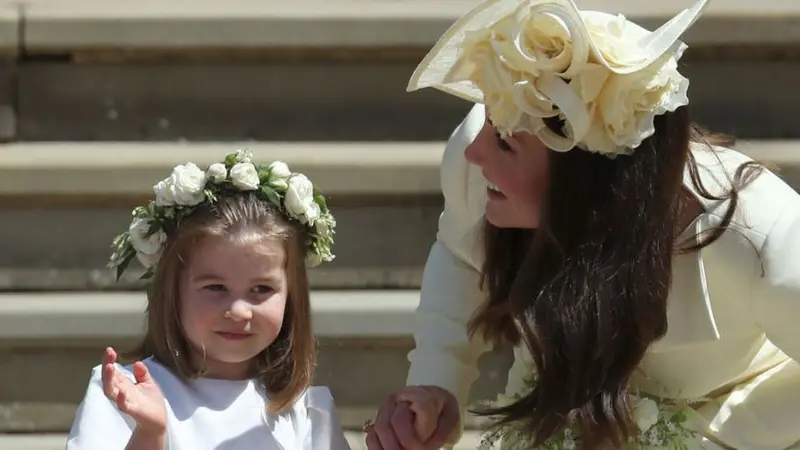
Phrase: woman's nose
pixel 475 152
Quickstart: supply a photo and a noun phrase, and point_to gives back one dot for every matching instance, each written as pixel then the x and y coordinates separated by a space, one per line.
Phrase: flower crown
pixel 188 186
pixel 604 77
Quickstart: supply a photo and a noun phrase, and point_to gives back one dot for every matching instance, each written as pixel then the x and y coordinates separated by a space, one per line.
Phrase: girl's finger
pixel 403 427
pixel 141 373
pixel 383 427
pixel 109 381
pixel 373 443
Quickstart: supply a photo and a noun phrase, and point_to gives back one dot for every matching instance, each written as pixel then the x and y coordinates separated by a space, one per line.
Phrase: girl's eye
pixel 215 288
pixel 501 142
pixel 261 289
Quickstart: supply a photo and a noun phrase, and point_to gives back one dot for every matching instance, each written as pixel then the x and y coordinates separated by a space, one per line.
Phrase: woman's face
pixel 516 171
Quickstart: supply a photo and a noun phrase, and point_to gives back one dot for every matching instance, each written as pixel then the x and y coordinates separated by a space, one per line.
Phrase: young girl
pixel 229 351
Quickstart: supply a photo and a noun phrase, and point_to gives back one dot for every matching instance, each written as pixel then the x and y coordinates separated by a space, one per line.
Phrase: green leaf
pixel 155 225
pixel 270 193
pixel 320 200
pixel 210 195
pixel 230 160
pixel 124 265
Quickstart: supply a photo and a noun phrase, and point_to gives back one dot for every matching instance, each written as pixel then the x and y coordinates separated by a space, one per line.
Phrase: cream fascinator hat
pixel 528 60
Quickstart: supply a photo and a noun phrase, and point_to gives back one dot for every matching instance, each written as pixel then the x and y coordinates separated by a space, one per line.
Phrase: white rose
pixel 217 173
pixel 148 261
pixel 147 247
pixel 184 186
pixel 299 196
pixel 279 174
pixel 244 156
pixel 312 213
pixel 163 192
pixel 645 413
pixel 245 176
pixel 625 108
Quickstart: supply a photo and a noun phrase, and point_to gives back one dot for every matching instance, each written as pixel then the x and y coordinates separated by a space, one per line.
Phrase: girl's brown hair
pixel 587 291
pixel 286 367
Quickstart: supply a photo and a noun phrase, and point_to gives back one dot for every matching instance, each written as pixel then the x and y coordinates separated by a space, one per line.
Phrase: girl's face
pixel 516 171
pixel 232 300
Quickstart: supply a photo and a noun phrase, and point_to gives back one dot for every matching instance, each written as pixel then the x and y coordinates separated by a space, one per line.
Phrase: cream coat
pixel 733 310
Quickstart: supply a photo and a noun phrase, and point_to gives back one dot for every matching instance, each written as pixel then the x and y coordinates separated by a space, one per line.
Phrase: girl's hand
pixel 414 418
pixel 143 401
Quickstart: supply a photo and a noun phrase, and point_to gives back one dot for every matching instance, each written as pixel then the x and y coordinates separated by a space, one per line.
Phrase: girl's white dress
pixel 734 308
pixel 211 414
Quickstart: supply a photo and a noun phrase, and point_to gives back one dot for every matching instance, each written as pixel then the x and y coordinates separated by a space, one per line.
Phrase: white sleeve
pixel 444 355
pixel 325 428
pixel 777 304
pixel 98 424
pixel 762 413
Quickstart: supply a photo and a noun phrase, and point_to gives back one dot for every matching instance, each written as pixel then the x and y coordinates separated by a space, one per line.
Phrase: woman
pixel 639 268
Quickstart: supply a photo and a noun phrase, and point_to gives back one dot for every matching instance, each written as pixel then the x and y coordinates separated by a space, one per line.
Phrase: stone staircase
pixel 100 98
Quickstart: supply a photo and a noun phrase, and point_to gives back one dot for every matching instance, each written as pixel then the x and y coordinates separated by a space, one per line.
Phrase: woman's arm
pixel 444 355
pixel 763 413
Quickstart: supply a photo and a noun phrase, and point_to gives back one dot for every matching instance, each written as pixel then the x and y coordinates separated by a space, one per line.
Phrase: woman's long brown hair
pixel 587 291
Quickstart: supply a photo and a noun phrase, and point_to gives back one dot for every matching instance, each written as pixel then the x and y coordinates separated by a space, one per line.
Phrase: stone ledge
pixel 118 315
pixel 131 168
pixel 470 440
pixel 125 169
pixel 321 278
pixel 181 24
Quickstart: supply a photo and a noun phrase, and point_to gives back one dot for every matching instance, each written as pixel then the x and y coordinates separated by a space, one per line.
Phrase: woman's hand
pixel 414 418
pixel 143 401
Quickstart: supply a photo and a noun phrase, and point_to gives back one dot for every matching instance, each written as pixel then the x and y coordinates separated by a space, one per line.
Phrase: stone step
pixel 364 337
pixel 283 100
pixel 153 71
pixel 375 189
pixel 59 25
pixel 386 198
pixel 56 441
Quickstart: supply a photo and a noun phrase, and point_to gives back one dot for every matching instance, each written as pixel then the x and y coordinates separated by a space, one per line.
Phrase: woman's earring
pixel 227 314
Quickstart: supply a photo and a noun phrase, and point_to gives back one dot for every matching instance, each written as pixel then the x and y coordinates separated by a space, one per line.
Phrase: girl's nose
pixel 240 311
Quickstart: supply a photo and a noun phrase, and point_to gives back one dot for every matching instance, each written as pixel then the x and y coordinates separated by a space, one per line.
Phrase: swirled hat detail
pixel 603 76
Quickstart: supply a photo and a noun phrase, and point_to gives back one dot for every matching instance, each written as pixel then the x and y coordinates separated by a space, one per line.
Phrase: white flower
pixel 244 156
pixel 279 174
pixel 148 248
pixel 627 105
pixel 312 213
pixel 645 413
pixel 533 52
pixel 217 173
pixel 324 226
pixel 245 176
pixel 163 193
pixel 299 196
pixel 148 261
pixel 183 187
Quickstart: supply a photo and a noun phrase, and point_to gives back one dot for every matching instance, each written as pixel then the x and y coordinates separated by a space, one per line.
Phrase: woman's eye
pixel 501 142
pixel 215 288
pixel 261 289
